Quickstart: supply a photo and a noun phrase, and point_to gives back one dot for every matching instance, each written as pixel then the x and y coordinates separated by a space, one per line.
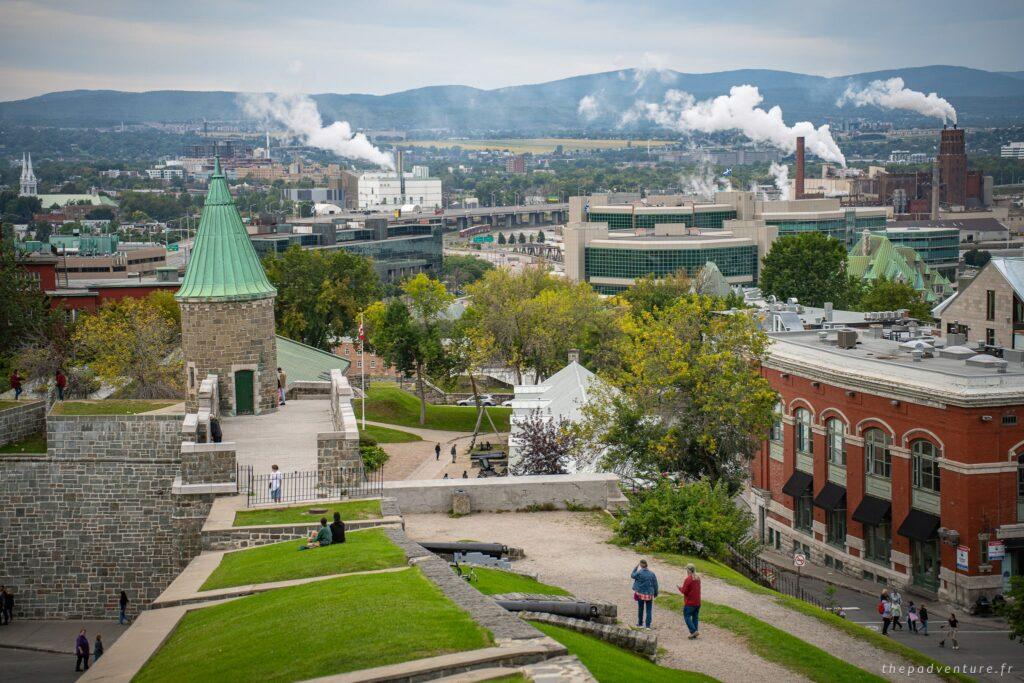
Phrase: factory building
pixel 395 189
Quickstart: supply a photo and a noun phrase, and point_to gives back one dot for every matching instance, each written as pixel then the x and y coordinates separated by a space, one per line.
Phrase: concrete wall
pixel 21 421
pixel 507 493
pixel 92 517
pixel 970 307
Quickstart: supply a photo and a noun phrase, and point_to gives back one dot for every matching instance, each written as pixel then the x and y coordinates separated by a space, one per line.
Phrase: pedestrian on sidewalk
pixel 3 610
pixel 912 617
pixel 282 384
pixel 951 626
pixel 691 601
pixel 922 615
pixel 437 452
pixel 645 589
pixel 8 606
pixel 97 649
pixel 123 603
pixel 885 607
pixel 897 614
pixel 81 651
pixel 453 452
pixel 276 479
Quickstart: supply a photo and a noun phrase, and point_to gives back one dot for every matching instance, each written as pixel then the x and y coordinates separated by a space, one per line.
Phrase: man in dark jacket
pixel 8 606
pixel 82 651
pixel 337 529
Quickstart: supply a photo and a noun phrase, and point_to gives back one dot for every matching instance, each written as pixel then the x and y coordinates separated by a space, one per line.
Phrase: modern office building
pixel 938 247
pixel 317 195
pixel 894 461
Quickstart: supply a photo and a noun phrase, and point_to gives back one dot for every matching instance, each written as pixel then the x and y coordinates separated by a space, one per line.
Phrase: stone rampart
pixel 340 447
pixel 22 421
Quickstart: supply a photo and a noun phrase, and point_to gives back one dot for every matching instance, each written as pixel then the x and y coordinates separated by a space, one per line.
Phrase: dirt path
pixel 415 459
pixel 570 550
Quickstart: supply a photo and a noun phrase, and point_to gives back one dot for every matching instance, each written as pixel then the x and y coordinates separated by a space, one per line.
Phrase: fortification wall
pixel 21 421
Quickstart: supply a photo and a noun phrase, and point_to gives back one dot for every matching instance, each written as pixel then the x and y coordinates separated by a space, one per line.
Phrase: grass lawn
pixel 320 628
pixel 386 435
pixel 777 646
pixel 361 551
pixel 392 405
pixel 495 581
pixel 611 664
pixel 4 405
pixel 109 407
pixel 36 443
pixel 355 509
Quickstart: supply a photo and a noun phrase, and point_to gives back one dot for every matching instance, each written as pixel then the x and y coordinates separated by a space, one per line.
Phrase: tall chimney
pixel 400 170
pixel 799 168
pixel 935 190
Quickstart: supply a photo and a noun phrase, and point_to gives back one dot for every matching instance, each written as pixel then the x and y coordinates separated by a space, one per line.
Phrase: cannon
pixel 573 609
pixel 447 548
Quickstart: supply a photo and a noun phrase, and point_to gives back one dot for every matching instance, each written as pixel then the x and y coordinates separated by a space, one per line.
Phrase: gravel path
pixel 570 550
pixel 415 459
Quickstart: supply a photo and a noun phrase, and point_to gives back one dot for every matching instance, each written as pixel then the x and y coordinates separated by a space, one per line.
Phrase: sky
pixel 348 46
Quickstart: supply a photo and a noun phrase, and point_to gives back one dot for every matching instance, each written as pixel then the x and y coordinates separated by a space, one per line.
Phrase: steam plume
pixel 703 182
pixel 781 174
pixel 302 118
pixel 588 108
pixel 738 110
pixel 893 94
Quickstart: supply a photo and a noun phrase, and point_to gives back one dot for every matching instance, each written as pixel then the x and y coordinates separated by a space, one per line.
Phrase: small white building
pixel 563 395
pixel 389 190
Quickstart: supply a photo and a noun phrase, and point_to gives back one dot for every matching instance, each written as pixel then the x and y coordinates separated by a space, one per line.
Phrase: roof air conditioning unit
pixel 846 339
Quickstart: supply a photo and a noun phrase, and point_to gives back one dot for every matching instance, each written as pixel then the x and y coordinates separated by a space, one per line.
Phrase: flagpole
pixel 362 365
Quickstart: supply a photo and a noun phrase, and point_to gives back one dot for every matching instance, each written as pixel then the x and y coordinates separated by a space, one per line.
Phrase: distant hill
pixel 981 98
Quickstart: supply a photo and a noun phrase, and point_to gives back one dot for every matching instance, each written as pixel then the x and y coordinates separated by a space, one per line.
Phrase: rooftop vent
pixel 957 352
pixel 983 360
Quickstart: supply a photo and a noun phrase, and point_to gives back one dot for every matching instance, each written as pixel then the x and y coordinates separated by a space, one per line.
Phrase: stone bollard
pixel 460 502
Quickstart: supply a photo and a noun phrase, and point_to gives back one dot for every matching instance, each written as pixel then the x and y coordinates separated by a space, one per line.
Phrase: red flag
pixel 362 333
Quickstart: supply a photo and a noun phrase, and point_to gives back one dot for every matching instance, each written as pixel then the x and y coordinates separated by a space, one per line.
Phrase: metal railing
pixel 768 575
pixel 350 481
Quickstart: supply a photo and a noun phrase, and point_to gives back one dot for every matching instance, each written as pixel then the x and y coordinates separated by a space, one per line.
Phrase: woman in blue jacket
pixel 645 589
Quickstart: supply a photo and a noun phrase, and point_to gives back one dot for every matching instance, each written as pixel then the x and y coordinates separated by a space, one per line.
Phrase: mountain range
pixel 981 98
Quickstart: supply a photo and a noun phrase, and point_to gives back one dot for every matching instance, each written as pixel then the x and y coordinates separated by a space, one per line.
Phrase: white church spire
pixel 29 187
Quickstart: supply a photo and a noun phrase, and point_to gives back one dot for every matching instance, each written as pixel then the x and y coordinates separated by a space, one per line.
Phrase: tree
pixel 811 267
pixel 42 231
pixel 463 270
pixel 1013 609
pixel 130 343
pixel 540 237
pixel 545 444
pixel 891 295
pixel 651 293
pixel 25 317
pixel 522 238
pixel 691 400
pixel 977 258
pixel 319 293
pixel 501 238
pixel 100 213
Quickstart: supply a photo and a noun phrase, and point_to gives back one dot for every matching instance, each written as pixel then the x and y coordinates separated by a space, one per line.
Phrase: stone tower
pixel 227 311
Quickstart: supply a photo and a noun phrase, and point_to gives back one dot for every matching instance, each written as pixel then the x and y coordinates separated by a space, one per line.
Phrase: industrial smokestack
pixel 935 190
pixel 400 170
pixel 799 168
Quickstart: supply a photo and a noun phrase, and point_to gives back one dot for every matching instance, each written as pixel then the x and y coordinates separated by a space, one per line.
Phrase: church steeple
pixel 29 187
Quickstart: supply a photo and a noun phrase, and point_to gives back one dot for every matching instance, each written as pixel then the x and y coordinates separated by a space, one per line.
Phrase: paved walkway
pixel 57 635
pixel 571 550
pixel 286 437
pixel 416 459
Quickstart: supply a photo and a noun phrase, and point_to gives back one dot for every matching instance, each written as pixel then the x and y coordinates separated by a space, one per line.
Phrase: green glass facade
pixel 705 220
pixel 615 221
pixel 846 229
pixel 936 247
pixel 634 263
pixel 400 257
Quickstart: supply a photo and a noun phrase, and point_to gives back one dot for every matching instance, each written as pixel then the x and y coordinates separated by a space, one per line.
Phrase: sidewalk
pixel 57 635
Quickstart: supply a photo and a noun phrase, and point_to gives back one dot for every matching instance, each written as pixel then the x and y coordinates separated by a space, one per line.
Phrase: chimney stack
pixel 400 171
pixel 935 190
pixel 799 168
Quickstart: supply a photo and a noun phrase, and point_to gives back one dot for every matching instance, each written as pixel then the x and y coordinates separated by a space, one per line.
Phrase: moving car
pixel 485 400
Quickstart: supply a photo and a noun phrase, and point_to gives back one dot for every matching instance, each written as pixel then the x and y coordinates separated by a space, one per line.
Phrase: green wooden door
pixel 243 393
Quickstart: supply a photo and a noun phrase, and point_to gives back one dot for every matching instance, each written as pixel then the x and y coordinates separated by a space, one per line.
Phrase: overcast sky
pixel 384 46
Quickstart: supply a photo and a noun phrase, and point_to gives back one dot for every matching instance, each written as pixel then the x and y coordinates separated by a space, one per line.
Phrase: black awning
pixel 871 510
pixel 798 484
pixel 830 497
pixel 919 525
pixel 1014 543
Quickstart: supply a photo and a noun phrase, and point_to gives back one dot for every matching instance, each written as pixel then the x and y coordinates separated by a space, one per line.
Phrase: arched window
pixel 804 438
pixel 835 430
pixel 877 459
pixel 776 434
pixel 925 457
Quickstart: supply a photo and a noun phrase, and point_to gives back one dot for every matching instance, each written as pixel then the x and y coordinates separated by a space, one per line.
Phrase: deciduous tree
pixel 811 267
pixel 890 295
pixel 545 444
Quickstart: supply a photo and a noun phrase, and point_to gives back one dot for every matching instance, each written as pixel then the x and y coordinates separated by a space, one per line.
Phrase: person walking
pixel 15 381
pixel 62 382
pixel 922 616
pixel 282 384
pixel 453 452
pixel 276 480
pixel 951 627
pixel 123 603
pixel 886 609
pixel 645 589
pixel 81 651
pixel 691 601
pixel 8 606
pixel 912 617
pixel 3 610
pixel 437 452
pixel 897 614
pixel 97 649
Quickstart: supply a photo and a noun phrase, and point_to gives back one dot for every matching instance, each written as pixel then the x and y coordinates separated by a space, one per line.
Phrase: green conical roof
pixel 223 265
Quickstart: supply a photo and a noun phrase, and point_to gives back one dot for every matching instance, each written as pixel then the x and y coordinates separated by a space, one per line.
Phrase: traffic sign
pixel 172 247
pixel 799 560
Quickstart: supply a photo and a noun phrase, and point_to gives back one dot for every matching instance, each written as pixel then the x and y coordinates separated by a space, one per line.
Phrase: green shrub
pixel 704 514
pixel 374 457
pixel 366 440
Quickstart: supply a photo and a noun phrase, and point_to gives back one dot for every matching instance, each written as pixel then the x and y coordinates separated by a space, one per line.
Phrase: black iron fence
pixel 770 576
pixel 349 481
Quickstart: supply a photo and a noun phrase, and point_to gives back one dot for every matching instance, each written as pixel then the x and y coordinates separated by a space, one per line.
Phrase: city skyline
pixel 50 46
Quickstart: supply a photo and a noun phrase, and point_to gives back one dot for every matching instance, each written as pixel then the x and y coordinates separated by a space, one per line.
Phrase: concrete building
pixel 989 309
pixel 227 311
pixel 515 164
pixel 866 430
pixel 395 189
pixel 333 195
pixel 1014 150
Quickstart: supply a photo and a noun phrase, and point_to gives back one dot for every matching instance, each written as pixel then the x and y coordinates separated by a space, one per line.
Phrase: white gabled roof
pixel 1010 267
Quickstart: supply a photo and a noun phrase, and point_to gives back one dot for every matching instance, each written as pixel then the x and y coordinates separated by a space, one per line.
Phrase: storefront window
pixel 804 519
pixel 878 541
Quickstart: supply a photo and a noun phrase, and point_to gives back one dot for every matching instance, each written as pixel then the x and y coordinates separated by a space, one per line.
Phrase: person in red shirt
pixel 62 382
pixel 691 603
pixel 16 384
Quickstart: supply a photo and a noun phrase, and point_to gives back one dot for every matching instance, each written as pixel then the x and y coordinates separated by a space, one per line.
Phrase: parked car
pixel 506 404
pixel 485 399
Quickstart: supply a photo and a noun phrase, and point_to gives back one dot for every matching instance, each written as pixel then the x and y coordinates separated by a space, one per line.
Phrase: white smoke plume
pixel 893 94
pixel 703 182
pixel 781 174
pixel 652 64
pixel 300 115
pixel 738 110
pixel 588 108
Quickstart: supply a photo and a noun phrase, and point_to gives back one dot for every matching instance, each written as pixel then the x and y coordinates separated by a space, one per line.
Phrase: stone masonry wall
pixel 219 337
pixel 93 517
pixel 21 421
pixel 208 463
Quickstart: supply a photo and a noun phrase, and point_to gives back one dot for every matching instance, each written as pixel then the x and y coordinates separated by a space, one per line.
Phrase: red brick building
pixel 882 465
pixel 375 366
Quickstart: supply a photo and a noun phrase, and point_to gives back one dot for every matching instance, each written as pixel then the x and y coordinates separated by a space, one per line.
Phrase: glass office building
pixel 708 217
pixel 937 247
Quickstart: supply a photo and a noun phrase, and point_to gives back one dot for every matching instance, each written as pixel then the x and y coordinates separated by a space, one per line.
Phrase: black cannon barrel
pixel 446 548
pixel 576 609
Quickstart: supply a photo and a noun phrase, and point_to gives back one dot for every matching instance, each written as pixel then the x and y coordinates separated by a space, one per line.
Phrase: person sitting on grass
pixel 318 538
pixel 337 529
